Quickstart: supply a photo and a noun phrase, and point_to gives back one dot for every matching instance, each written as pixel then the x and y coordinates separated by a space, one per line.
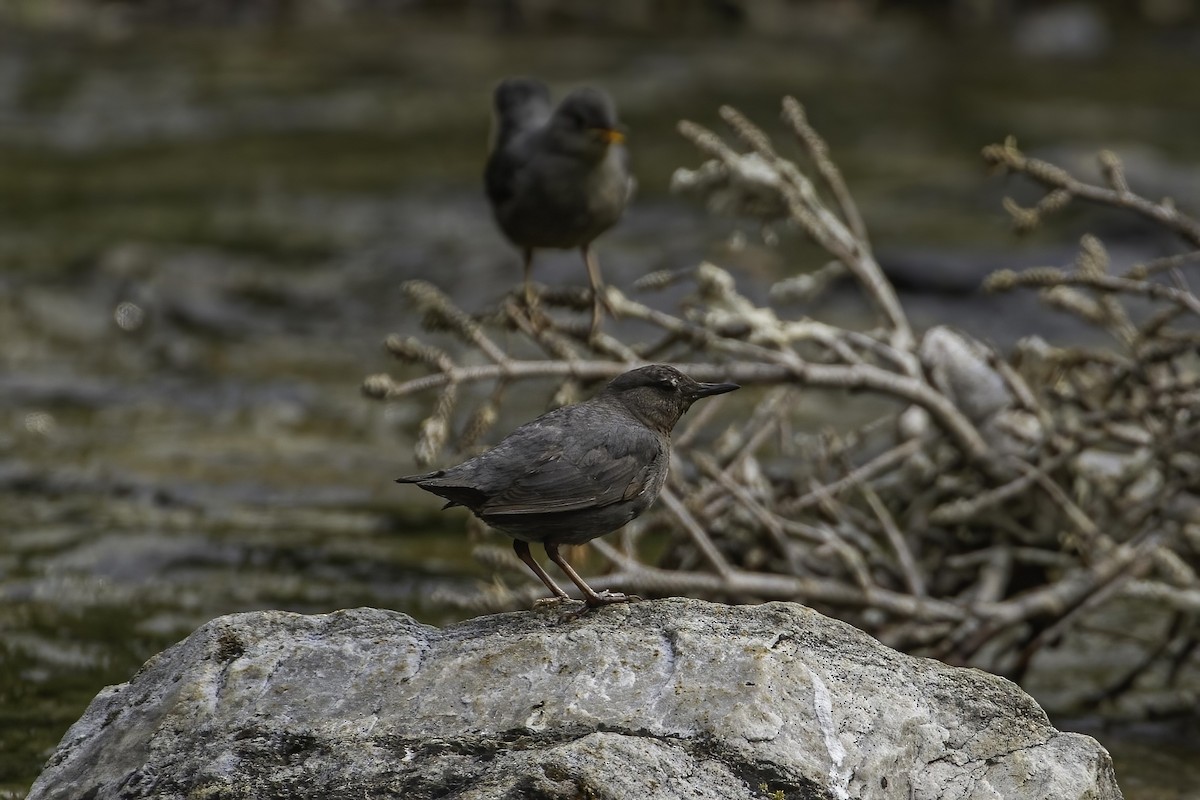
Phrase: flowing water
pixel 203 232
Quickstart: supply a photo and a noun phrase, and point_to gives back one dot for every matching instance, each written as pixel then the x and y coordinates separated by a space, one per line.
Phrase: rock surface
pixel 664 699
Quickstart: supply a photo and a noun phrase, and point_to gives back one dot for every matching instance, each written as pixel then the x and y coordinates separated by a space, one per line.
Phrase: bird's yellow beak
pixel 611 136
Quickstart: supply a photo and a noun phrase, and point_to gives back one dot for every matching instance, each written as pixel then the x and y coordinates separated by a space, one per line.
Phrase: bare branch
pixel 985 507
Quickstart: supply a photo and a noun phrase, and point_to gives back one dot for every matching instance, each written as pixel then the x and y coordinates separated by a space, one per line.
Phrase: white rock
pixel 664 699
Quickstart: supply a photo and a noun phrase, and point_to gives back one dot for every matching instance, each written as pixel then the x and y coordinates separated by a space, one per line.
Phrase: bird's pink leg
pixel 530 300
pixel 522 551
pixel 593 599
pixel 599 300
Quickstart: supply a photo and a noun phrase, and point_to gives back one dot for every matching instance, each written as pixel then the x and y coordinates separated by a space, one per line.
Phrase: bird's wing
pixel 500 176
pixel 616 464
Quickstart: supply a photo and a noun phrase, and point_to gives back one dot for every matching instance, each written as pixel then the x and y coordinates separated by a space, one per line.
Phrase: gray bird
pixel 577 472
pixel 556 178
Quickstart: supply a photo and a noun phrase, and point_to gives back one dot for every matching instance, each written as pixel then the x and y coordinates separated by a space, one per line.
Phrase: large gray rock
pixel 665 699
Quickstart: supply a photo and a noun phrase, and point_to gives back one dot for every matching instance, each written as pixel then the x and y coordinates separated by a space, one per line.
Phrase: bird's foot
pixel 607 598
pixel 553 602
pixel 536 320
pixel 532 301
pixel 540 321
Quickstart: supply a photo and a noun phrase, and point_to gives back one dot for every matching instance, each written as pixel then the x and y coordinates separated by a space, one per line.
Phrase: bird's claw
pixel 607 598
pixel 535 317
pixel 601 599
pixel 548 602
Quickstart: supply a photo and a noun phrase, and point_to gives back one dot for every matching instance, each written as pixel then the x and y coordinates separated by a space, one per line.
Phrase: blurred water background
pixel 207 208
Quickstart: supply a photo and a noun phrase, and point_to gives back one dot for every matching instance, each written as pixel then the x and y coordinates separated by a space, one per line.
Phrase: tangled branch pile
pixel 992 508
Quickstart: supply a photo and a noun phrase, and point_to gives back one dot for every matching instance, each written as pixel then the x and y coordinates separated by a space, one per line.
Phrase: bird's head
pixel 659 395
pixel 585 122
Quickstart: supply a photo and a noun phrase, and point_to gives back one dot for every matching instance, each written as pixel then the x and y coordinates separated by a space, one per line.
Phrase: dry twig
pixel 990 508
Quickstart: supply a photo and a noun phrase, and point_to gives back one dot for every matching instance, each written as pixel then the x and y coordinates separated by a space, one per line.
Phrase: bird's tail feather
pixel 468 496
pixel 428 476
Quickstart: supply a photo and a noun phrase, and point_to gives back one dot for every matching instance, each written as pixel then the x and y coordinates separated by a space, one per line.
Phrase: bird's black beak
pixel 709 389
